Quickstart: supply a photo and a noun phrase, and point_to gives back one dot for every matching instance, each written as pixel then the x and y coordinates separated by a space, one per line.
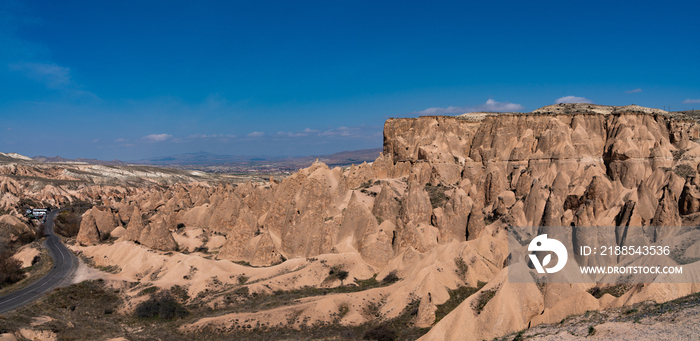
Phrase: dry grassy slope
pixel 431 209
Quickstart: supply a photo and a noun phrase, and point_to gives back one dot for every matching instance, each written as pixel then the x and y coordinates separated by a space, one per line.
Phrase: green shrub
pixel 67 223
pixel 677 154
pixel 616 290
pixel 10 269
pixel 391 278
pixel 437 195
pixel 366 184
pixel 337 272
pixel 148 291
pixel 483 299
pixel 242 291
pixel 684 170
pixel 462 267
pixel 25 238
pixel 165 307
pixel 591 330
pixel 180 293
pixel 343 310
pixel 381 333
pixel 457 296
pixel 518 336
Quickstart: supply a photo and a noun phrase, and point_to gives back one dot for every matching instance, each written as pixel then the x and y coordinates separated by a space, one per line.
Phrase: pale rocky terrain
pixel 432 210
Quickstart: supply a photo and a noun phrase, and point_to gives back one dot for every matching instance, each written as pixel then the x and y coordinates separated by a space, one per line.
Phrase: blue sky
pixel 138 79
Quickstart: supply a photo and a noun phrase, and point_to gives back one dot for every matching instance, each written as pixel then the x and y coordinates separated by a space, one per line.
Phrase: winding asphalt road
pixel 64 266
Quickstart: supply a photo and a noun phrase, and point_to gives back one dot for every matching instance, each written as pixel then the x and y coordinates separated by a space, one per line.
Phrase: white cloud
pixel 52 75
pixel 355 132
pixel 442 111
pixel 634 91
pixel 212 136
pixel 572 99
pixel 490 105
pixel 158 137
pixel 256 134
pixel 309 130
pixel 691 101
pixel 290 134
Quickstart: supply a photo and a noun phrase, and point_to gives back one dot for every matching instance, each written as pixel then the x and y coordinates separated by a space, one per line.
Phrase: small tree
pixel 337 272
pixel 342 275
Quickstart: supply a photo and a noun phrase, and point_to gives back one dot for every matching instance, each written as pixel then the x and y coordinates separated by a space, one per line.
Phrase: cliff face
pixel 492 155
pixel 575 166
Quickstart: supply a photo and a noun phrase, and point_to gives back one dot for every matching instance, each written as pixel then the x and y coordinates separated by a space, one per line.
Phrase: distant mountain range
pixel 58 159
pixel 202 160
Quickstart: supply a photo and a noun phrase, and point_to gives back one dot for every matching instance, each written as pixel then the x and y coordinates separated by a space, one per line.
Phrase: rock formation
pixel 89 234
pixel 443 192
pixel 157 236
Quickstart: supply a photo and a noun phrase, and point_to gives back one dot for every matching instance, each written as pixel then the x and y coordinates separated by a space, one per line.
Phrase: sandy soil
pixel 26 254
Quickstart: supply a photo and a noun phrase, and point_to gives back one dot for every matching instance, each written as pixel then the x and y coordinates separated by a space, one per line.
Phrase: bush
pixel 337 272
pixel 616 290
pixel 438 198
pixel 40 232
pixel 366 184
pixel 678 154
pixel 457 296
pixel 518 336
pixel 180 292
pixel 25 203
pixel 164 306
pixel 462 267
pixel 9 269
pixel 391 278
pixel 147 291
pixel 67 223
pixel 483 299
pixel 25 238
pixel 381 333
pixel 242 291
pixel 591 330
pixel 342 275
pixel 379 220
pixel 685 170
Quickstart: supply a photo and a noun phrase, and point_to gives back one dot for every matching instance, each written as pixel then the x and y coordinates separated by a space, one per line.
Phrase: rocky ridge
pixel 433 209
